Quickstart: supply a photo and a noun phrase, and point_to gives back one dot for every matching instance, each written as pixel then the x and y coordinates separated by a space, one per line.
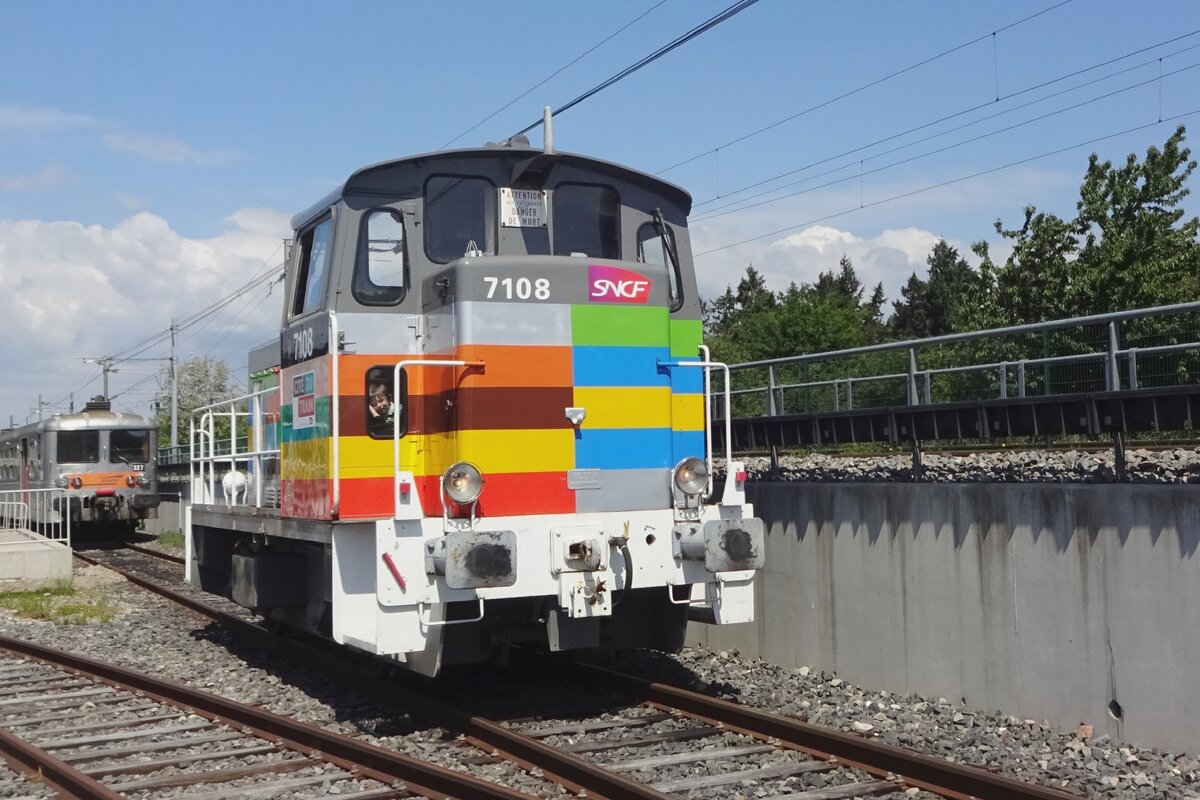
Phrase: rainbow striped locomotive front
pixel 492 425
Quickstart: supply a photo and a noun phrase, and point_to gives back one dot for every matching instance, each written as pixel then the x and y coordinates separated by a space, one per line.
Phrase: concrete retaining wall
pixel 1066 603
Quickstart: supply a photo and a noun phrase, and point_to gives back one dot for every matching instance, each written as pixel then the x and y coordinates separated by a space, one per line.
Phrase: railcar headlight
pixel 691 476
pixel 143 479
pixel 130 481
pixel 76 482
pixel 463 482
pixel 61 481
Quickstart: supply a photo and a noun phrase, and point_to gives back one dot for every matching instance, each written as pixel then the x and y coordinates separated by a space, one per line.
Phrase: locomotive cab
pixel 492 415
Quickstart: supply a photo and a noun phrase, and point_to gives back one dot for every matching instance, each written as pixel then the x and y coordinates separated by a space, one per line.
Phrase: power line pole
pixel 174 388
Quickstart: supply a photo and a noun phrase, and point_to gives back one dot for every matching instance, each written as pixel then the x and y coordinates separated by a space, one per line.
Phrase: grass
pixel 171 539
pixel 61 603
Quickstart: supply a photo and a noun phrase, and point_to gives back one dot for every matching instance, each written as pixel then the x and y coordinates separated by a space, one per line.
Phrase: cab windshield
pixel 129 446
pixel 78 447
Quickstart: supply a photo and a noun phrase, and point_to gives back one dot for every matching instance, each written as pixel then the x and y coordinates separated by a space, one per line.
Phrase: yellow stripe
pixel 420 454
pixel 307 460
pixel 515 450
pixel 625 407
pixel 687 412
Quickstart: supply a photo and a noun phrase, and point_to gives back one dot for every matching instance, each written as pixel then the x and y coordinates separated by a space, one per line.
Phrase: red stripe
pixel 503 495
pixel 307 499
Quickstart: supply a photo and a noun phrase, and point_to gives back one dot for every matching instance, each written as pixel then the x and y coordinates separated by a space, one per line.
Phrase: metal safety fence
pixel 1142 348
pixel 234 451
pixel 41 514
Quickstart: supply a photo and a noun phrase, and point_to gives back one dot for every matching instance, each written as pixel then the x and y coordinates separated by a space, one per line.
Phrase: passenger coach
pixel 491 416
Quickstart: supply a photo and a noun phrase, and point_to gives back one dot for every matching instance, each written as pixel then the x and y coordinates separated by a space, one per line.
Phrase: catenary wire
pixel 858 175
pixel 555 74
pixel 863 88
pixel 961 113
pixel 711 22
pixel 951 182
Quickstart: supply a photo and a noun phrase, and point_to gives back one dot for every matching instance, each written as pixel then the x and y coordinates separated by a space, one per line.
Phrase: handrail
pixel 1114 358
pixel 953 338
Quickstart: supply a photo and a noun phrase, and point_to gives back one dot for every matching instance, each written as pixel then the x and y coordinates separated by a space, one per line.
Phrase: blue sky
pixel 151 154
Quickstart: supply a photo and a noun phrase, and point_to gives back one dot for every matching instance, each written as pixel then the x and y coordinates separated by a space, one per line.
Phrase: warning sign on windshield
pixel 522 208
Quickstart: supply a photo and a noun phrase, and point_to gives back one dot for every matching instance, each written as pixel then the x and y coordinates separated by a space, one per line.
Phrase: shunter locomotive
pixel 485 423
pixel 102 459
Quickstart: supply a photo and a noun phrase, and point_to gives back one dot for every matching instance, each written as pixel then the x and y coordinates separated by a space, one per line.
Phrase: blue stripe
pixel 687 380
pixel 621 366
pixel 687 443
pixel 623 448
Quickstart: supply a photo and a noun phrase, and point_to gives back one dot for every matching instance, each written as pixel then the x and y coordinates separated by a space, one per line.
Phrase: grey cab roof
pixel 86 420
pixel 360 179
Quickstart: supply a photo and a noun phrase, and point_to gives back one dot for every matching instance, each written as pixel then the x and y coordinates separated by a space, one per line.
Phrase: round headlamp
pixel 61 481
pixel 143 479
pixel 130 481
pixel 691 476
pixel 76 482
pixel 463 482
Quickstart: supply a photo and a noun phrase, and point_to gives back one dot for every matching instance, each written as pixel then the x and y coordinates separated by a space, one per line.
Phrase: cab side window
pixel 312 268
pixel 386 401
pixel 586 221
pixel 656 245
pixel 381 265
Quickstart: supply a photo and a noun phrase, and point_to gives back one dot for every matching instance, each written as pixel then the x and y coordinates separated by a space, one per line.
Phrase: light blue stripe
pixel 687 443
pixel 687 380
pixel 621 366
pixel 623 448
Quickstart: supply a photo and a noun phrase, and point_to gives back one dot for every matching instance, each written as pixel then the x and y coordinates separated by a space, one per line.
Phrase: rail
pixel 1135 349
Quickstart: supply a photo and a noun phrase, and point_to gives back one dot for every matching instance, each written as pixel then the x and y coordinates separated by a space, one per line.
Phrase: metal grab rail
pixel 206 456
pixel 420 362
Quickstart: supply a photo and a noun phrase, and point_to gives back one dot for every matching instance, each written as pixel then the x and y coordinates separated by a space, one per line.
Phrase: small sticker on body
pixel 583 479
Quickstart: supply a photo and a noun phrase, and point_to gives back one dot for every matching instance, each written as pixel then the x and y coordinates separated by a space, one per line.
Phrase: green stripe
pixel 686 336
pixel 619 326
pixel 320 430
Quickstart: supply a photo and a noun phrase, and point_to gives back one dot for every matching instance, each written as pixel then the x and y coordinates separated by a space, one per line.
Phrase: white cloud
pixel 30 119
pixel 69 291
pixel 164 149
pixel 129 202
pixel 48 177
pixel 798 238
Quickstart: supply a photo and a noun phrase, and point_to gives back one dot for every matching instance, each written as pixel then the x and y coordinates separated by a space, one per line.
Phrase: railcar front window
pixel 310 280
pixel 459 212
pixel 129 446
pixel 586 221
pixel 78 447
pixel 379 270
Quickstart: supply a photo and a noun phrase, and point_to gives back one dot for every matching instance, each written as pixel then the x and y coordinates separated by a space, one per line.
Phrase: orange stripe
pixel 92 480
pixel 520 366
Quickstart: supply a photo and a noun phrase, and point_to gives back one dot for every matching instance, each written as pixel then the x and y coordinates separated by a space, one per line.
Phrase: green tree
pixel 1135 251
pixel 202 381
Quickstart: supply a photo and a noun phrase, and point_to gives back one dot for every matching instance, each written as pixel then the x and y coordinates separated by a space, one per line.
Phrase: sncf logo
pixel 616 285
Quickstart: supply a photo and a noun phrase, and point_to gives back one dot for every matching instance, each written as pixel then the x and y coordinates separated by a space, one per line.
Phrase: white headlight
pixel 463 482
pixel 691 476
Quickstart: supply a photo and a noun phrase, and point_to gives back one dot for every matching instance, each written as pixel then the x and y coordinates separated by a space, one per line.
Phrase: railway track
pixel 95 730
pixel 611 735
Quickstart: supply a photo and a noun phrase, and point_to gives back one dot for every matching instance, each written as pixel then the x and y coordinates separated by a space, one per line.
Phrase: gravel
pixel 1175 466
